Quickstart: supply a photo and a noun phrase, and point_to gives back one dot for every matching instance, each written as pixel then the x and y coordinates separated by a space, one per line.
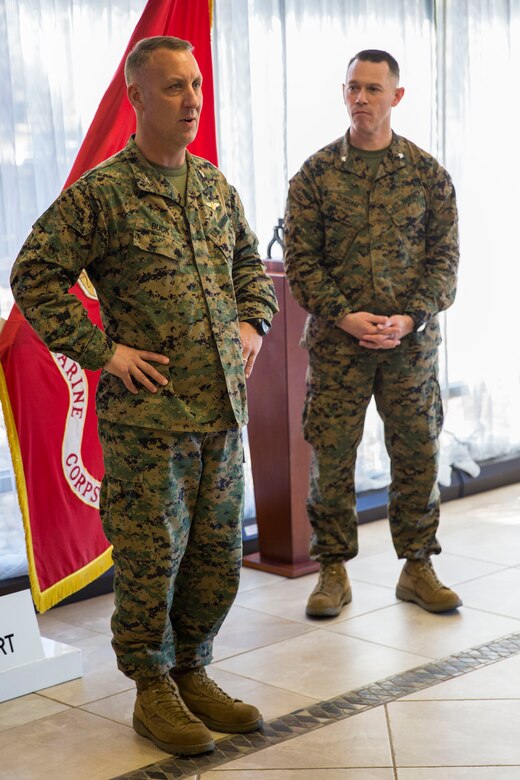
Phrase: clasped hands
pixel 375 331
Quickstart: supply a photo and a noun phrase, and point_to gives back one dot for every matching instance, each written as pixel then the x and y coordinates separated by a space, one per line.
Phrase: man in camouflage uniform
pixel 185 300
pixel 371 252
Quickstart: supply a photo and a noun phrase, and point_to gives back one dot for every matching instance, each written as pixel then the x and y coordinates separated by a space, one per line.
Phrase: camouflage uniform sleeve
pixel 66 238
pixel 438 285
pixel 254 289
pixel 312 286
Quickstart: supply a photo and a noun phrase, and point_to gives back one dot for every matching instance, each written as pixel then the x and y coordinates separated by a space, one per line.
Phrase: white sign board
pixel 20 641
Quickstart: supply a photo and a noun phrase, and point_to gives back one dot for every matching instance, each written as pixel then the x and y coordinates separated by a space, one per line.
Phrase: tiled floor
pixel 456 716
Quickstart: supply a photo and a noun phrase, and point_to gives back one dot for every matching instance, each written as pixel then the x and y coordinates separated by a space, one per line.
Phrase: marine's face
pixel 167 96
pixel 370 93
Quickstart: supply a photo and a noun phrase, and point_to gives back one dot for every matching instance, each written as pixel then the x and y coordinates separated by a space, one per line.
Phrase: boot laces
pixel 429 574
pixel 211 688
pixel 168 703
pixel 328 578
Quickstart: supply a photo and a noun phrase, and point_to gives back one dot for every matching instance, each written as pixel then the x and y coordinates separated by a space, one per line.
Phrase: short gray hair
pixel 144 48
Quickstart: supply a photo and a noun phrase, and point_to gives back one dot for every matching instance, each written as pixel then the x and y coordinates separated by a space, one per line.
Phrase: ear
pixel 344 93
pixel 399 92
pixel 134 95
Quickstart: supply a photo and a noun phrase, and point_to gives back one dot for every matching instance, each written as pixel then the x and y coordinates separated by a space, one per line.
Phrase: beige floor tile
pixel 408 627
pixel 374 537
pixel 361 741
pixel 374 546
pixel 119 707
pixel 73 745
pixel 460 773
pixel 321 664
pixel 381 569
pixel 300 774
pixel 245 629
pixel 288 599
pixel 53 628
pixel 455 733
pixel 497 593
pixel 497 541
pixel 284 662
pixel 384 568
pixel 500 680
pixel 502 503
pixel 254 578
pixel 454 569
pixel 25 709
pixel 272 702
pixel 93 614
pixel 376 530
pixel 101 677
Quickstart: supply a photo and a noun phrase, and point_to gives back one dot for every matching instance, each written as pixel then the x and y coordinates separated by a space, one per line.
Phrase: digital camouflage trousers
pixel 405 386
pixel 171 505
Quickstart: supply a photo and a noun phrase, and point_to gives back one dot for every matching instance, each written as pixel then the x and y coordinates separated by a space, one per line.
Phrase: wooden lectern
pixel 279 454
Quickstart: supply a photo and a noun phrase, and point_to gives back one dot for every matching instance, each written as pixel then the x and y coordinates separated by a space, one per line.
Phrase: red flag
pixel 47 399
pixel 115 118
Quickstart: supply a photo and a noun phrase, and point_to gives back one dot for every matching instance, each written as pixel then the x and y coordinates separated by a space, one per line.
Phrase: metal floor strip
pixel 327 712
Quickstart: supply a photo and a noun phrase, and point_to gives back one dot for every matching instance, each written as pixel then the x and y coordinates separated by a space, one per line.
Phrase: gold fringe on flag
pixel 43 600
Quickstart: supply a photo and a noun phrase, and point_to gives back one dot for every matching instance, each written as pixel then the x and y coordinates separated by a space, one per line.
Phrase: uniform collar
pixel 348 160
pixel 148 178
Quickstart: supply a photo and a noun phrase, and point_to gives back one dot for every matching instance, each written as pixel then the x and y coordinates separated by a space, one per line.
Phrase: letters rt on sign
pixel 20 641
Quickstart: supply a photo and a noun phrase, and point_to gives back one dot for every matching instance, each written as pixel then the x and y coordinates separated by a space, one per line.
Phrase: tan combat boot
pixel 161 715
pixel 213 706
pixel 419 583
pixel 331 593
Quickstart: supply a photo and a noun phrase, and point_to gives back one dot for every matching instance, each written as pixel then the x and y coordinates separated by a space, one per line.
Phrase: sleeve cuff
pixel 98 351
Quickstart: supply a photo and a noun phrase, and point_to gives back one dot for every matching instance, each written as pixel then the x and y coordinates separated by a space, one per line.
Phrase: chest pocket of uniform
pixel 342 222
pixel 158 240
pixel 158 259
pixel 409 215
pixel 347 212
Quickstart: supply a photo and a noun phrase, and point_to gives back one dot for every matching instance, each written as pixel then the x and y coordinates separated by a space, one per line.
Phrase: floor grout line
pixel 305 720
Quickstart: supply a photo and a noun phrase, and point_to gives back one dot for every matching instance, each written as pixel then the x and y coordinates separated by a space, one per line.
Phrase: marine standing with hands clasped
pixel 371 253
pixel 184 299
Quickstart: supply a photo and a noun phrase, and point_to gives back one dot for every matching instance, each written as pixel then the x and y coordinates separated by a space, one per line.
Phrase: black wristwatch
pixel 261 326
pixel 418 324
